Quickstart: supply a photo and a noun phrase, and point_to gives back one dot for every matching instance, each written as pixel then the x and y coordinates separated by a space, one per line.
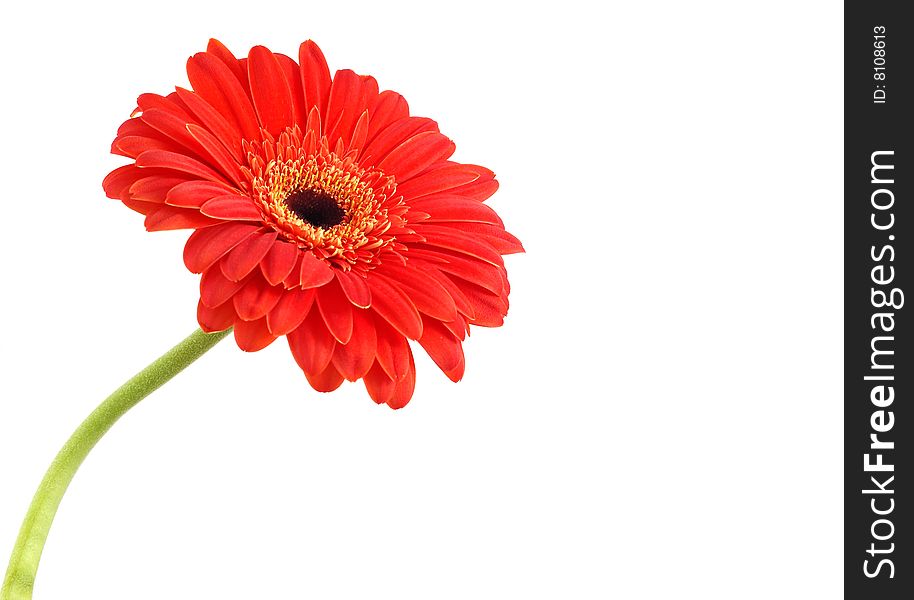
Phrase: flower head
pixel 323 212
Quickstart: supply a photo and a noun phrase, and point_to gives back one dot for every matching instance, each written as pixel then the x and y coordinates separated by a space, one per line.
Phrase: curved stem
pixel 20 576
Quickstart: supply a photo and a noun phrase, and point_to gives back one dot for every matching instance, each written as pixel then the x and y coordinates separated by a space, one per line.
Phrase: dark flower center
pixel 316 208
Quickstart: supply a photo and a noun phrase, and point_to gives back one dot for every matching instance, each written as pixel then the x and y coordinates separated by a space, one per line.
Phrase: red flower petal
pixel 345 89
pixel 355 287
pixel 290 311
pixel 416 154
pixel 315 75
pixel 226 132
pixel 217 49
pixel 136 126
pixel 144 208
pixel 154 189
pixel 441 208
pixel 170 104
pixel 451 238
pixel 467 268
pixel 118 182
pixel 326 381
pixel 482 188
pixel 244 257
pixel 216 289
pixel 215 82
pixel 252 336
pixel 336 310
pixel 292 74
pixel 392 350
pixel 359 133
pixel 388 107
pixel 271 94
pixel 384 390
pixel 206 246
pixel 445 349
pixel 502 241
pixel 132 146
pixel 216 319
pixel 256 299
pixel 350 95
pixel 313 124
pixel 439 179
pixel 392 136
pixel 380 387
pixel 456 374
pixel 354 358
pixel 193 194
pixel 218 155
pixel 279 261
pixel 293 279
pixel 395 307
pixel 314 272
pixel 173 127
pixel 405 387
pixel 460 328
pixel 461 302
pixel 425 293
pixel 232 208
pixel 490 309
pixel 177 162
pixel 166 218
pixel 311 344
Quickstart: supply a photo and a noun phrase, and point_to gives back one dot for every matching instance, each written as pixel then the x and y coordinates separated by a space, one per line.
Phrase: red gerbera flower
pixel 322 212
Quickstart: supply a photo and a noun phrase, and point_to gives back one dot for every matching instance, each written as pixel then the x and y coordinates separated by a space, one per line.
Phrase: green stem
pixel 20 576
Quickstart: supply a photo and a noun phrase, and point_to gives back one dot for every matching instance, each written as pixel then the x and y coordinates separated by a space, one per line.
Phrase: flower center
pixel 322 201
pixel 315 207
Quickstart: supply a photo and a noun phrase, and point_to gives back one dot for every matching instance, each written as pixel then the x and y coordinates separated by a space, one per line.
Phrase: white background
pixel 660 416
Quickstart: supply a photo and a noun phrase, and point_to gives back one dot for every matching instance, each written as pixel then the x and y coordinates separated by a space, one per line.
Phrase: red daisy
pixel 322 212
